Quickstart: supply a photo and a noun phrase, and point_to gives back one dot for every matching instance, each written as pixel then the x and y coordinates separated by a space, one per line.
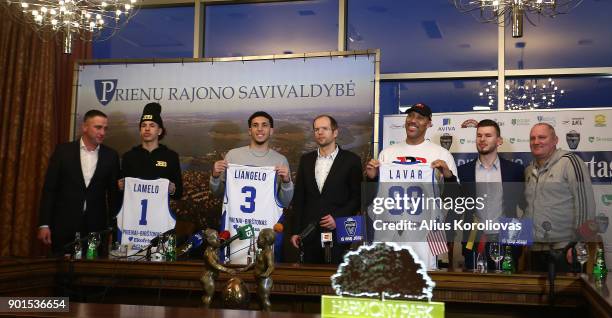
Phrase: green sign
pixel 349 307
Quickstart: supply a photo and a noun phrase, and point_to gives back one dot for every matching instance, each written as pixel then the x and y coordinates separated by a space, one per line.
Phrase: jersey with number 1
pixel 145 212
pixel 250 198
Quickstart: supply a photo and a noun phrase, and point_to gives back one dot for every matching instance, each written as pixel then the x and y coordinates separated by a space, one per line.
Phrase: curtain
pixel 35 107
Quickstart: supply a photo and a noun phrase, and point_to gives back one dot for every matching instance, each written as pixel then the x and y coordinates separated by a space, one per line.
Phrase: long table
pixel 297 288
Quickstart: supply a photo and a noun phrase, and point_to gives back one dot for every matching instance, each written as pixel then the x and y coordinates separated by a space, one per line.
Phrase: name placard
pixel 349 307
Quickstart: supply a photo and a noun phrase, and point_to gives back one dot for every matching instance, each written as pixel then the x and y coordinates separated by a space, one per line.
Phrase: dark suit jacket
pixel 340 196
pixel 64 193
pixel 513 192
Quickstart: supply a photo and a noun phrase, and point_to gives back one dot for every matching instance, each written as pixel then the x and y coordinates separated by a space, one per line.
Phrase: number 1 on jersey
pixel 143 212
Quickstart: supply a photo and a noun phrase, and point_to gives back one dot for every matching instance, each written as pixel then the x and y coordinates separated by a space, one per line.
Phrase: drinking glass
pixel 495 254
pixel 582 254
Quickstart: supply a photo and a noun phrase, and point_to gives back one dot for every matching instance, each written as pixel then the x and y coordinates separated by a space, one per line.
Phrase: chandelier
pixel 525 94
pixel 514 10
pixel 83 19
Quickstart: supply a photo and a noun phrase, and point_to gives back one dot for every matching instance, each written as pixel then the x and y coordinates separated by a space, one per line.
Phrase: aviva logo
pixel 105 90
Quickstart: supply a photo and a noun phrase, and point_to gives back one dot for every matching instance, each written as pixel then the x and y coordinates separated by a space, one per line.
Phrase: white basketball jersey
pixel 250 198
pixel 145 212
pixel 413 188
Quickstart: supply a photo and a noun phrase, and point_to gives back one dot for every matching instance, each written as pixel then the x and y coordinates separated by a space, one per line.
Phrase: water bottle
pixel 171 248
pixel 507 266
pixel 92 245
pixel 78 246
pixel 600 271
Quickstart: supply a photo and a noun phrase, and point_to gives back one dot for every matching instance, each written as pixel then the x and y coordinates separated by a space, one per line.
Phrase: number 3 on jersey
pixel 249 199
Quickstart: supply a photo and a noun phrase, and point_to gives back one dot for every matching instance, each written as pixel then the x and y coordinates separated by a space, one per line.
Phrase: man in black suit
pixel 328 186
pixel 80 190
pixel 500 180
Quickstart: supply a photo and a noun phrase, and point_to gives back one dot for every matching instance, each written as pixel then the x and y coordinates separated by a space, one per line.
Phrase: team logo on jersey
pixel 408 160
pixel 446 140
pixel 161 163
pixel 573 139
pixel 105 90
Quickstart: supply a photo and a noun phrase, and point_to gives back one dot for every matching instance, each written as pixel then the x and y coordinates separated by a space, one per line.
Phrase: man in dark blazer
pixel 500 179
pixel 328 186
pixel 80 190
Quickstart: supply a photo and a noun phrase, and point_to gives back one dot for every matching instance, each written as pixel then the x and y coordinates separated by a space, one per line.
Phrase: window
pixel 151 33
pixel 271 28
pixel 457 95
pixel 572 92
pixel 421 36
pixel 581 38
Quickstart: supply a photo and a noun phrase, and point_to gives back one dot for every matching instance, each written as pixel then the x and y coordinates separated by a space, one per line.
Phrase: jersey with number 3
pixel 145 212
pixel 250 198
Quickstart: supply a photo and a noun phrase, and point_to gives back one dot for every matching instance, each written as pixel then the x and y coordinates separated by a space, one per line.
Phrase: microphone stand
pixel 305 233
pixel 328 252
pixel 301 244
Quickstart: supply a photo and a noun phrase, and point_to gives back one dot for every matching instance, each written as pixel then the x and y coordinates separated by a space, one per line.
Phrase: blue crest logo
pixel 105 90
pixel 350 225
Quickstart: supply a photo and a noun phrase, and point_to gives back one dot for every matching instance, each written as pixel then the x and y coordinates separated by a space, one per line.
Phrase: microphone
pixel 326 243
pixel 587 231
pixel 161 237
pixel 192 243
pixel 304 234
pixel 224 236
pixel 244 232
pixel 326 239
pixel 278 228
pixel 307 230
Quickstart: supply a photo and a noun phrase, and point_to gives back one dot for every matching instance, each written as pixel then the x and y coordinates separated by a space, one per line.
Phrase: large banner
pixel 206 106
pixel 585 132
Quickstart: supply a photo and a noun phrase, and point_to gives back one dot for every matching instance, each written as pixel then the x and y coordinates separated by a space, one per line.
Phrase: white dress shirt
pixel 89 160
pixel 489 183
pixel 323 165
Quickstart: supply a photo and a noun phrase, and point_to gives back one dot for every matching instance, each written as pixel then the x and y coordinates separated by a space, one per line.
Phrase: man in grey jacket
pixel 559 198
